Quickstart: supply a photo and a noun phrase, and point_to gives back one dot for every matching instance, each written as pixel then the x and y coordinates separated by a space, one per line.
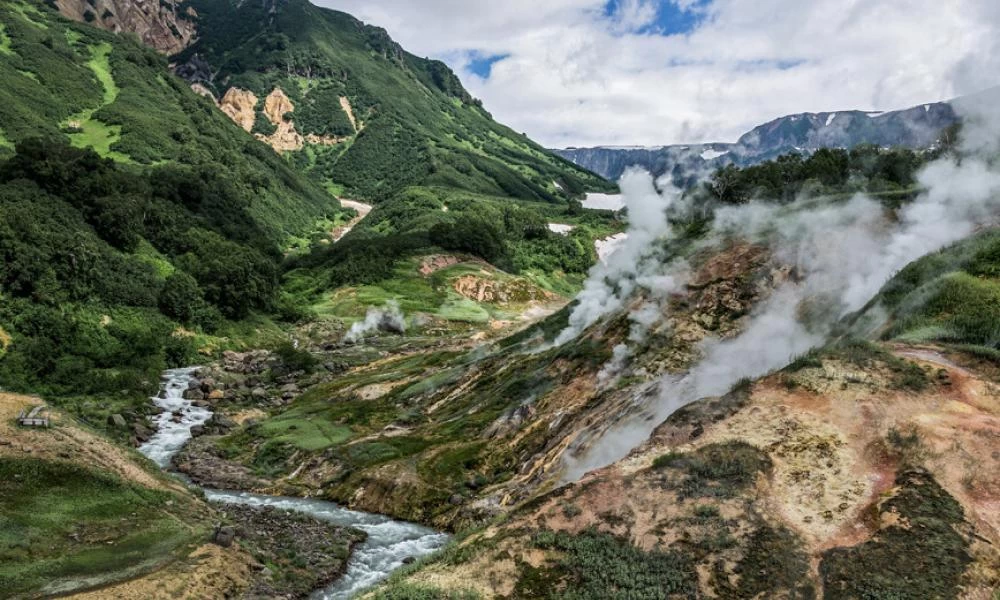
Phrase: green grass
pixel 151 256
pixel 306 433
pixel 92 132
pixel 4 142
pixel 100 137
pixel 101 66
pixel 458 308
pixel 922 556
pixel 5 45
pixel 949 296
pixel 60 522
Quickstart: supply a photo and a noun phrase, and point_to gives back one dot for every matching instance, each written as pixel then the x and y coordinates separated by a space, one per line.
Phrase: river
pixel 389 542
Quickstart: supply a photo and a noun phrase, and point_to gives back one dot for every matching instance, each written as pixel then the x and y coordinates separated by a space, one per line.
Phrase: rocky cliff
pixel 161 24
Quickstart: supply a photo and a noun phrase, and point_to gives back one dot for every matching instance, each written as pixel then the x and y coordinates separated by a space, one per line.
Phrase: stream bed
pixel 389 542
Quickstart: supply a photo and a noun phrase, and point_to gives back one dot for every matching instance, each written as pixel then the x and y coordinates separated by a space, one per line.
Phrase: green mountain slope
pixel 71 82
pixel 414 123
pixel 129 207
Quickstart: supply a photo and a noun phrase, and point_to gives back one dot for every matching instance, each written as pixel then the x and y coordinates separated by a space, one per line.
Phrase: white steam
pixel 843 252
pixel 387 319
pixel 636 260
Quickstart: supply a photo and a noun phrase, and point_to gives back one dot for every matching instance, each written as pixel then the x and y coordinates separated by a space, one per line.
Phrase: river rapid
pixel 389 542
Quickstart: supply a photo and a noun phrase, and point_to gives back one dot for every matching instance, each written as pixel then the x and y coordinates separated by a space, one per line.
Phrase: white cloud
pixel 575 76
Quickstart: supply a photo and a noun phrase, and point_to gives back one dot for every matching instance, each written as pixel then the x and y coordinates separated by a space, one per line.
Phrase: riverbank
pixel 300 545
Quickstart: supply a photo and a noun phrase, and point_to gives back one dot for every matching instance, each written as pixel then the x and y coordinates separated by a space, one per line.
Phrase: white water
pixel 389 542
pixel 171 435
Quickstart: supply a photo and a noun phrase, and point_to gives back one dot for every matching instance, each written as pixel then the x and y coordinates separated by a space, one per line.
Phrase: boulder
pixel 197 430
pixel 259 393
pixel 141 432
pixel 216 395
pixel 207 385
pixel 224 536
pixel 193 394
pixel 117 421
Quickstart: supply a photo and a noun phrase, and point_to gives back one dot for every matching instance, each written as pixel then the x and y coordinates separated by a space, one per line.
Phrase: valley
pixel 306 321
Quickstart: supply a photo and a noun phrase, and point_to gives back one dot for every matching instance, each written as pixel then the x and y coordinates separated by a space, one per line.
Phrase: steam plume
pixel 845 252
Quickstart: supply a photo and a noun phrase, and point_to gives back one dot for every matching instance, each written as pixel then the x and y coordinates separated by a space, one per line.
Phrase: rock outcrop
pixel 240 106
pixel 164 25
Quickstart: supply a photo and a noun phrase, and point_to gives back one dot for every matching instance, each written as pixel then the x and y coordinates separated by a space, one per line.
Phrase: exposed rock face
pixel 285 137
pixel 160 24
pixel 482 289
pixel 431 264
pixel 240 106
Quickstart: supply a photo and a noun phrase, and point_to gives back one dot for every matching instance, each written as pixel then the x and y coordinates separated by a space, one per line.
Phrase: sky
pixel 654 72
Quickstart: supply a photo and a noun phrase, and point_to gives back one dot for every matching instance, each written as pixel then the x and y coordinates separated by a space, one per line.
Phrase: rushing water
pixel 173 425
pixel 389 542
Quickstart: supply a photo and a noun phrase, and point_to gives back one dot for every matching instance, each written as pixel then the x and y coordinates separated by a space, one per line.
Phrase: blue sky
pixel 670 18
pixel 482 66
pixel 653 72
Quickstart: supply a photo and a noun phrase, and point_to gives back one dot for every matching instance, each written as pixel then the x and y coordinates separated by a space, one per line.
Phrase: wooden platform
pixel 33 418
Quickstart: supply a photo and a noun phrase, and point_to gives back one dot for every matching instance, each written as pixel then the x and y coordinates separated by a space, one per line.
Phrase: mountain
pixel 915 128
pixel 346 103
pixel 141 224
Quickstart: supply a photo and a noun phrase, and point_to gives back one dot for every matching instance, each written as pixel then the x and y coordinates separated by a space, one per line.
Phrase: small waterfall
pixel 173 425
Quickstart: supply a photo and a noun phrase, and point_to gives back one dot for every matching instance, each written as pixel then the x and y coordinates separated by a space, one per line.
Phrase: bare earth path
pixel 363 210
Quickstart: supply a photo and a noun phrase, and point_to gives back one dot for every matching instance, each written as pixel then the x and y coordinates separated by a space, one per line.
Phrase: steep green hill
pixel 129 207
pixel 96 90
pixel 414 123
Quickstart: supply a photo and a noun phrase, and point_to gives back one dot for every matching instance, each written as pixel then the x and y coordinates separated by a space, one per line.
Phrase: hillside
pixel 138 223
pixel 712 416
pixel 79 512
pixel 357 110
pixel 919 127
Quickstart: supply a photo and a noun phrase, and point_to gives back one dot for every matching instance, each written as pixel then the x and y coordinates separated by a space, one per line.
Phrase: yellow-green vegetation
pixel 306 433
pixel 5 47
pixel 29 13
pixel 63 526
pixel 85 130
pixel 922 554
pixel 4 142
pixel 950 296
pixel 433 294
pixel 5 341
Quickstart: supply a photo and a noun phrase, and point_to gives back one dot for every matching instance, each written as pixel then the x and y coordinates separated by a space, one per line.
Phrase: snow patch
pixel 710 154
pixel 830 119
pixel 604 202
